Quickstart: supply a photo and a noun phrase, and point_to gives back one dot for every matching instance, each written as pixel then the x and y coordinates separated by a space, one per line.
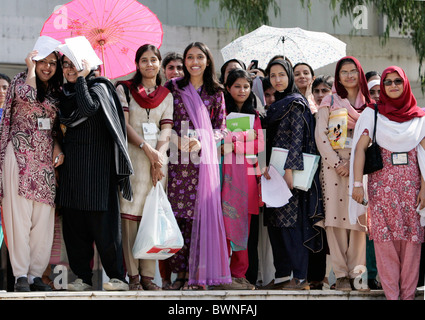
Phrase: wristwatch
pixel 141 145
pixel 358 184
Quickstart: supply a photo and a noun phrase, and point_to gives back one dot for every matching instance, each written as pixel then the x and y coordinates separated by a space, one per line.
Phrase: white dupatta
pixel 390 135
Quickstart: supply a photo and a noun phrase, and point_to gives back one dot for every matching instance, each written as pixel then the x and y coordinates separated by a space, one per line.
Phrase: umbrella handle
pixel 102 43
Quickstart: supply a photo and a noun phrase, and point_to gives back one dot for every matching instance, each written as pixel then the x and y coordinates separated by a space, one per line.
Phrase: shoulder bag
pixel 373 158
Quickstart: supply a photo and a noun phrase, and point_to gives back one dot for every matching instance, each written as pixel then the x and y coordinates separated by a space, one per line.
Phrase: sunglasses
pixel 397 82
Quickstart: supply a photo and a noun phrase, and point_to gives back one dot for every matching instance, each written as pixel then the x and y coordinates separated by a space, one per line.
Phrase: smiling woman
pixel 27 151
pixel 347 242
pixel 194 184
pixel 148 114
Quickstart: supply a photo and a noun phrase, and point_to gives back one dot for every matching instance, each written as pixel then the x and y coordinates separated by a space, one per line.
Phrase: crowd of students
pixel 74 145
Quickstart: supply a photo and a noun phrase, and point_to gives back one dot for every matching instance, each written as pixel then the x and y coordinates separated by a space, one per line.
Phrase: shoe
pixel 39 285
pixel 134 284
pixel 374 284
pixel 22 285
pixel 115 285
pixel 343 284
pixel 79 285
pixel 296 284
pixel 274 286
pixel 148 284
pixel 246 283
pixel 237 284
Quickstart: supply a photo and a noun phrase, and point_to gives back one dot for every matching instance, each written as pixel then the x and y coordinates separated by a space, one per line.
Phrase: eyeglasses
pixel 349 73
pixel 67 64
pixel 397 82
pixel 46 63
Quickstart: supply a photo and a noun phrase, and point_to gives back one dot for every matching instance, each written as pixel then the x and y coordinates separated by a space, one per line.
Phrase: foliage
pixel 407 16
pixel 244 15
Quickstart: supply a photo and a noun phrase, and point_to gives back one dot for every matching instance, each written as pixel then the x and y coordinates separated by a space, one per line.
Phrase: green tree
pixel 244 15
pixel 407 16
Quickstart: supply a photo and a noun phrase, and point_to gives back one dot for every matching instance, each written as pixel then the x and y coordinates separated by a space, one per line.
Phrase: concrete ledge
pixel 201 295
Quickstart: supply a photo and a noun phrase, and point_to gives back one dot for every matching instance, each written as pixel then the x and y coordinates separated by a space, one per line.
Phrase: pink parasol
pixel 115 29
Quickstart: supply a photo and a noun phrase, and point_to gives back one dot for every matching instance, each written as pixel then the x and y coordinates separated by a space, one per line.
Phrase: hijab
pixel 403 108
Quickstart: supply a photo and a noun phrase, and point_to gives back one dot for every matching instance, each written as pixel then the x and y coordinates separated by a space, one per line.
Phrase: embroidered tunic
pixel 183 173
pixel 33 147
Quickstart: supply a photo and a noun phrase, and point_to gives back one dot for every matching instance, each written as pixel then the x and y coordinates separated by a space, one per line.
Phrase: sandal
pixel 187 287
pixel 134 284
pixel 177 284
pixel 147 284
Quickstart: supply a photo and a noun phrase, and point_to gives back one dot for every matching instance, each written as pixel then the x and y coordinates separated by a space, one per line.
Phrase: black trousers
pixel 83 229
pixel 289 253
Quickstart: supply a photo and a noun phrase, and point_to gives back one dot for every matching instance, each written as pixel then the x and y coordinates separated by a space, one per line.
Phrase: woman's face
pixel 174 69
pixel 374 92
pixel 196 62
pixel 46 68
pixel 69 70
pixel 278 77
pixel 320 92
pixel 393 84
pixel 240 91
pixel 3 90
pixel 148 65
pixel 231 66
pixel 302 76
pixel 349 75
pixel 269 96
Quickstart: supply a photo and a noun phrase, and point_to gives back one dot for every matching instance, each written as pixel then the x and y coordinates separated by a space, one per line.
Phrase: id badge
pixel 399 158
pixel 149 131
pixel 43 123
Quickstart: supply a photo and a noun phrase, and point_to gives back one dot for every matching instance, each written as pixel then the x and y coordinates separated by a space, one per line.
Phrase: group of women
pixel 74 145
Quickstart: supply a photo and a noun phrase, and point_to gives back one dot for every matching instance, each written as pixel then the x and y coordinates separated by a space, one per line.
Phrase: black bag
pixel 373 159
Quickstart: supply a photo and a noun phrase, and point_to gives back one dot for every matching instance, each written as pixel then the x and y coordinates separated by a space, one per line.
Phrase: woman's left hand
pixel 289 178
pixel 86 69
pixel 58 157
pixel 421 199
pixel 194 145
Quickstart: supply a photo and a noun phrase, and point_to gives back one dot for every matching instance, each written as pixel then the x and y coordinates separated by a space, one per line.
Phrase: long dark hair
pixel 211 83
pixel 250 104
pixel 54 84
pixel 137 78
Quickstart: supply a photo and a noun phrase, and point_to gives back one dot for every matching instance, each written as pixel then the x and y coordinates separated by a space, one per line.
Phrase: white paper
pixel 302 178
pixel 45 45
pixel 422 215
pixel 275 192
pixel 78 49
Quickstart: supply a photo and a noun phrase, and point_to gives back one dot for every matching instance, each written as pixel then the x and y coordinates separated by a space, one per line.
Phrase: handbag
pixel 159 236
pixel 373 159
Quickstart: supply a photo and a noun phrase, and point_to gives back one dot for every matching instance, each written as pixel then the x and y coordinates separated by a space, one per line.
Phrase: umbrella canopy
pixel 115 29
pixel 315 48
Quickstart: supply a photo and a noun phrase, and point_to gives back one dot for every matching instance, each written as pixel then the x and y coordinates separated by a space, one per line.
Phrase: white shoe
pixel 79 285
pixel 115 285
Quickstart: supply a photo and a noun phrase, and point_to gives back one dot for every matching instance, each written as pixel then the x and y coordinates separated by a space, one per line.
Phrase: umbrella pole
pixel 103 56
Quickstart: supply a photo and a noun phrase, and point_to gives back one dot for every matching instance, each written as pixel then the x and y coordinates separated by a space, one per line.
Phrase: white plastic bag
pixel 158 236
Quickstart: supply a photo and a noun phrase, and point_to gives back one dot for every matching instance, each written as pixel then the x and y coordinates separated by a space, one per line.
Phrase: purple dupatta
pixel 208 257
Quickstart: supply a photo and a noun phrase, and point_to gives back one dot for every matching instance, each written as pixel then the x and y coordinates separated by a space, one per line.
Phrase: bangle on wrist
pixel 141 145
pixel 358 184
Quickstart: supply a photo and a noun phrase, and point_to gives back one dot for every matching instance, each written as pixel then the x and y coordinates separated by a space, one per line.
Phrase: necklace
pixel 149 90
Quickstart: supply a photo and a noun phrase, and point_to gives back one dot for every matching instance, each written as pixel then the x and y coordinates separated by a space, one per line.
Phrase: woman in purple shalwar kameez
pixel 194 181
